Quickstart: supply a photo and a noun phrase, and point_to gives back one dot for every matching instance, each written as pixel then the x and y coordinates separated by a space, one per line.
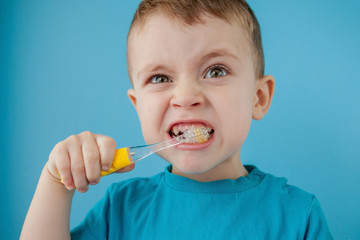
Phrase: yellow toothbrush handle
pixel 122 159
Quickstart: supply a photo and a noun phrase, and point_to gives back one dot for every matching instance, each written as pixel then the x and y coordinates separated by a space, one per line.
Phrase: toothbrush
pixel 126 156
pixel 129 155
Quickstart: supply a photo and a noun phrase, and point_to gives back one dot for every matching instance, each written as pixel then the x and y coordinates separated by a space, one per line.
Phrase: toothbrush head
pixel 194 135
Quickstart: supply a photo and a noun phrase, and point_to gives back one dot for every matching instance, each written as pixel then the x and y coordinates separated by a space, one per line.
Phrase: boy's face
pixel 201 75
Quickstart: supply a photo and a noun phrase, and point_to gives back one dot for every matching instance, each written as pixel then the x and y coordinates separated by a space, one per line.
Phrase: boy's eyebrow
pixel 153 68
pixel 218 53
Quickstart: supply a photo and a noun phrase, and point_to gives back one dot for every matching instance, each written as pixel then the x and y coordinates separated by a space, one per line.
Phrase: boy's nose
pixel 187 96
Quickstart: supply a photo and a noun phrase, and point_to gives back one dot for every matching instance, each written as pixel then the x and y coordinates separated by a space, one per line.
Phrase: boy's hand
pixel 79 159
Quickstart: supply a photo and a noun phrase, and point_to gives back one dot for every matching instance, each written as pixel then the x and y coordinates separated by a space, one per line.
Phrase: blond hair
pixel 193 11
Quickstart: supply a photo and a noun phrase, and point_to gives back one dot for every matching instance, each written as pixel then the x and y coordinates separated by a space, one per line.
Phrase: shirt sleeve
pixel 316 227
pixel 95 224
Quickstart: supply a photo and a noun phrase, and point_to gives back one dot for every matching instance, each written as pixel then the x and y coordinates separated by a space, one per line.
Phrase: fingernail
pixel 82 190
pixel 105 167
pixel 95 182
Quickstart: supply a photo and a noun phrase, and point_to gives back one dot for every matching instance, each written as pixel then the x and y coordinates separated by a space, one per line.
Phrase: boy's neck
pixel 227 170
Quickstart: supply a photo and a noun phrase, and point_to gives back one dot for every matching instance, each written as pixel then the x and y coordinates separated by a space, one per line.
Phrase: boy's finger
pixel 78 169
pixel 126 169
pixel 61 159
pixel 91 157
pixel 107 147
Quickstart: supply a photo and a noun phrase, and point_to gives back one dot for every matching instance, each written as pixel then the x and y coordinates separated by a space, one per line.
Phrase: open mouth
pixel 191 133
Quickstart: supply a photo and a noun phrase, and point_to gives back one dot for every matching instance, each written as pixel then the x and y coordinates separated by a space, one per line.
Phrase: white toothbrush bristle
pixel 195 135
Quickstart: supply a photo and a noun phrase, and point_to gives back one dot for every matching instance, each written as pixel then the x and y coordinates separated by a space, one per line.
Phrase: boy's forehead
pixel 160 18
pixel 204 18
pixel 154 25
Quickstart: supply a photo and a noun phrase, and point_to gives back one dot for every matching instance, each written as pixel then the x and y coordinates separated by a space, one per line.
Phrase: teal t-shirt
pixel 168 206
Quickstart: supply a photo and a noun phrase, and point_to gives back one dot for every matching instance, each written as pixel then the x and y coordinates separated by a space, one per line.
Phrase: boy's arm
pixel 78 161
pixel 49 213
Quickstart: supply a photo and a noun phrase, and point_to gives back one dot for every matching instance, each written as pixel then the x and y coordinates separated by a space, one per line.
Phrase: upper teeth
pixel 181 128
pixel 175 131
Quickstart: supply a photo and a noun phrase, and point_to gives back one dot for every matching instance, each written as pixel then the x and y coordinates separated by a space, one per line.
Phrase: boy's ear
pixel 132 96
pixel 264 93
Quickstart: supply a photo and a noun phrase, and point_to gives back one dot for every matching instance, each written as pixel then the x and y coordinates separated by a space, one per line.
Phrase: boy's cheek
pixel 237 125
pixel 147 134
pixel 150 123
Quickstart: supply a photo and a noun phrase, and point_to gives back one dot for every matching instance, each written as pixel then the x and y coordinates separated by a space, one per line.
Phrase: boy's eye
pixel 215 72
pixel 159 79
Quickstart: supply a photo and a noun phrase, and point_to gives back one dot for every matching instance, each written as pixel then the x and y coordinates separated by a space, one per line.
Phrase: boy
pixel 191 64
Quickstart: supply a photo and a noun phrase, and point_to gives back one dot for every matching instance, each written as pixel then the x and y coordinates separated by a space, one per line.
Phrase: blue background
pixel 63 71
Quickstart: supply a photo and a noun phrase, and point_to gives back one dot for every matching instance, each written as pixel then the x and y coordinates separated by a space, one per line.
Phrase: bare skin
pixel 78 160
